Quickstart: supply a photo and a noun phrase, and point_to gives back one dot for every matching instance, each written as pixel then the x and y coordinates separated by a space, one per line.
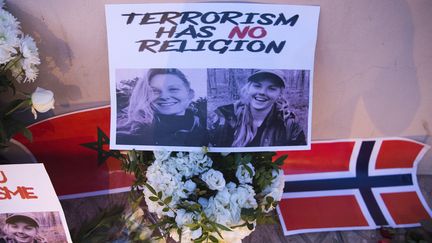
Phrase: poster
pixel 228 76
pixel 29 208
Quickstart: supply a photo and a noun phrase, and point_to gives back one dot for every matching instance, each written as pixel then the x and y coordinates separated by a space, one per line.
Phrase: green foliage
pixel 99 228
pixel 9 126
pixel 137 162
pixel 158 197
pixel 116 225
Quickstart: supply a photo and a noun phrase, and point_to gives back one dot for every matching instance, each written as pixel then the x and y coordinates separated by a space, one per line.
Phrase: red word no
pixel 254 32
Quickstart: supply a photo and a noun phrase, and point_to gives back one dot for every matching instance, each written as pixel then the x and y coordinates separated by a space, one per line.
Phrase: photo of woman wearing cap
pixel 159 112
pixel 22 228
pixel 259 118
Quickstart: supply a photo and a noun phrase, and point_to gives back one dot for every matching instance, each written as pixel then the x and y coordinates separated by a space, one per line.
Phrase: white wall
pixel 373 63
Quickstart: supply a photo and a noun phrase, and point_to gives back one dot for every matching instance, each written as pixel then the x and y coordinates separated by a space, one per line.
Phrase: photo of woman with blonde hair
pixel 159 112
pixel 260 118
pixel 22 228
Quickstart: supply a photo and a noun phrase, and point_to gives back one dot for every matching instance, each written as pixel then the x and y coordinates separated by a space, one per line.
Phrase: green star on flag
pixel 103 155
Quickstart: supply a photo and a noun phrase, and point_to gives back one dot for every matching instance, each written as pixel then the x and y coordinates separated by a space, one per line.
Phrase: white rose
pixel 162 155
pixel 195 234
pixel 217 212
pixel 214 179
pixel 203 202
pixel 274 190
pixel 223 216
pixel 245 197
pixel 200 161
pixel 42 101
pixel 279 182
pixel 190 186
pixel 235 213
pixel 181 166
pixel 183 217
pixel 231 186
pixel 223 197
pixel 243 174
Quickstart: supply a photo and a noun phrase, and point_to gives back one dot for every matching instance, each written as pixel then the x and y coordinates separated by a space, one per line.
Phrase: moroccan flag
pixel 353 184
pixel 74 148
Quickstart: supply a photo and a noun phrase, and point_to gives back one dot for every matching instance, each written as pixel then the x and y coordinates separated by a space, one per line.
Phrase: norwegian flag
pixel 349 185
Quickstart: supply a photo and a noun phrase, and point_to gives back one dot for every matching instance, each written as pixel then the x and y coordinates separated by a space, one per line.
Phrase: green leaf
pixel 165 210
pixel 151 189
pixel 192 225
pixel 27 133
pixel 168 200
pixel 247 158
pixel 153 198
pixel 250 226
pixel 197 226
pixel 238 226
pixel 222 227
pixel 213 239
pixel 16 105
pixel 202 238
pixel 179 232
pixel 206 227
pixel 280 161
pixel 249 170
pixel 269 200
pixel 159 194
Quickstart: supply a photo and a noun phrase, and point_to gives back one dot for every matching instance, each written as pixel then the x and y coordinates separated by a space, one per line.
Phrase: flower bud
pixel 42 101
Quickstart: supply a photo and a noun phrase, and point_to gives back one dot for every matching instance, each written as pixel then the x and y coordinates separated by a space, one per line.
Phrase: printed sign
pixel 29 208
pixel 228 76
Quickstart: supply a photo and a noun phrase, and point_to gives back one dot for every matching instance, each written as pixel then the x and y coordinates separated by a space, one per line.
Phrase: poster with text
pixel 227 76
pixel 29 208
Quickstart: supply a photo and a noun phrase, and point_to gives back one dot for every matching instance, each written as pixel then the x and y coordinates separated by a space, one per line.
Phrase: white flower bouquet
pixel 18 52
pixel 19 58
pixel 200 197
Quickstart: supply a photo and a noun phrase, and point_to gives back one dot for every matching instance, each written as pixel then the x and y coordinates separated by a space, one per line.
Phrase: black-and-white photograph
pixel 257 108
pixel 246 109
pixel 162 107
pixel 34 227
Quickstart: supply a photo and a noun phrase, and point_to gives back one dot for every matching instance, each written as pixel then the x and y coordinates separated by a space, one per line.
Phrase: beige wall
pixel 373 63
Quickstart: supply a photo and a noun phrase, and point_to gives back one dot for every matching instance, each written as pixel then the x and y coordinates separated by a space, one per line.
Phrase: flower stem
pixel 17 107
pixel 11 63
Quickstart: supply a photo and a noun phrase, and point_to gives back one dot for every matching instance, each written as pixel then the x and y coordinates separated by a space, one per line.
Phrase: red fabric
pixel 405 207
pixel 72 167
pixel 389 155
pixel 321 158
pixel 321 212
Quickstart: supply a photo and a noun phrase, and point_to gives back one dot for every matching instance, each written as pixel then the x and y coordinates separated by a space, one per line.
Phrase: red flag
pixel 355 184
pixel 76 154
